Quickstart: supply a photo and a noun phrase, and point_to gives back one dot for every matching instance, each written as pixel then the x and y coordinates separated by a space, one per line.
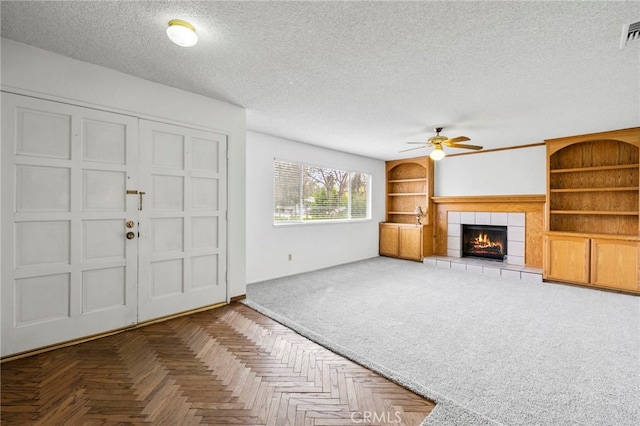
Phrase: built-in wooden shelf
pixel 593 217
pixel 596 212
pixel 409 186
pixel 592 235
pixel 594 168
pixel 407 180
pixel 610 189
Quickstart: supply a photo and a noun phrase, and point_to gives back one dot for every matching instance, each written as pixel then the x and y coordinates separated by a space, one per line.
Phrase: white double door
pixel 107 221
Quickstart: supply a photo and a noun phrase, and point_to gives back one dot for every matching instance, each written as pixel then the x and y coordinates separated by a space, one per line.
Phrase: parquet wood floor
pixel 229 365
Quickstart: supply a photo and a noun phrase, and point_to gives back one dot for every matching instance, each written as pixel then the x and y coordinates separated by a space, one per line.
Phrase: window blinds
pixel 304 193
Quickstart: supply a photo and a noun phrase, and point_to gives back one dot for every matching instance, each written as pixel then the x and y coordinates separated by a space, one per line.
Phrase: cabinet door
pixel 614 263
pixel 411 243
pixel 566 258
pixel 389 241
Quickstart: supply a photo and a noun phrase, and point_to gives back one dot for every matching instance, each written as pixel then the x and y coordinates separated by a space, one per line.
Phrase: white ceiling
pixel 365 77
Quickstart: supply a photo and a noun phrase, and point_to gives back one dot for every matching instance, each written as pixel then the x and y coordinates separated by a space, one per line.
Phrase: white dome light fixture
pixel 182 33
pixel 437 153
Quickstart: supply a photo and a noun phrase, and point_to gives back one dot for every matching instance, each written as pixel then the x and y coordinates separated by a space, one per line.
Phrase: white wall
pixel 312 246
pixel 30 71
pixel 509 172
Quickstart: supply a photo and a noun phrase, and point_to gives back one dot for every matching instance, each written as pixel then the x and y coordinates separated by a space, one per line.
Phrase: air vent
pixel 630 32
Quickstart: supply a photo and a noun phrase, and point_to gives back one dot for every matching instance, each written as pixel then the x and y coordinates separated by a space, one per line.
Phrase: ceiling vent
pixel 630 32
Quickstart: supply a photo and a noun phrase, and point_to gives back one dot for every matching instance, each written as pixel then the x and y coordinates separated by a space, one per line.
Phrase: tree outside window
pixel 306 193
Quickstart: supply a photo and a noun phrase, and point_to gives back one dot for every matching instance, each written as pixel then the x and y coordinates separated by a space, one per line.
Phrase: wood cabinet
pixel 592 212
pixel 389 240
pixel 411 242
pixel 567 258
pixel 406 241
pixel 614 263
pixel 409 186
pixel 601 262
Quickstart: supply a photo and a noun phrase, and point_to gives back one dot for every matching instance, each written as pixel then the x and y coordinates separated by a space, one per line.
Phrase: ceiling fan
pixel 437 142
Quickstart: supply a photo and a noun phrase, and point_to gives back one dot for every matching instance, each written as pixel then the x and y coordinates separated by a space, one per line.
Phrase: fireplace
pixel 484 241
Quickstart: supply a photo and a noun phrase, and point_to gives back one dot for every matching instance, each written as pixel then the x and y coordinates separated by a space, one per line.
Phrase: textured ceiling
pixel 365 77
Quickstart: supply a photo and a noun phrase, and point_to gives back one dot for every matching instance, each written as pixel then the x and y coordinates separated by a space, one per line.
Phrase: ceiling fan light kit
pixel 437 142
pixel 437 153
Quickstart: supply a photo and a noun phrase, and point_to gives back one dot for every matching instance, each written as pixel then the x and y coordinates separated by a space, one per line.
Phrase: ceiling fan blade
pixel 461 145
pixel 417 142
pixel 411 149
pixel 458 139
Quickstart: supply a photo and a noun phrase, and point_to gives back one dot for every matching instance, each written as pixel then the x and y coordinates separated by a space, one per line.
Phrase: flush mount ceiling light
pixel 182 33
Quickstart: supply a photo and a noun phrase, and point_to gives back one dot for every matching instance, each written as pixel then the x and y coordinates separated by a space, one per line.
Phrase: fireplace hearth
pixel 484 241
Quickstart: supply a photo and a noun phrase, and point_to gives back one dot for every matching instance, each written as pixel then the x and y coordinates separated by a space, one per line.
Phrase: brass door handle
pixel 130 235
pixel 139 193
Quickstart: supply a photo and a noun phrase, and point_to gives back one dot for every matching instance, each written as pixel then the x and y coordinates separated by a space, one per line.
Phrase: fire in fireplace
pixel 484 241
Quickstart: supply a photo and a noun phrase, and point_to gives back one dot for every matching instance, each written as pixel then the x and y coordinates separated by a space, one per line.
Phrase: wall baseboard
pixel 237 298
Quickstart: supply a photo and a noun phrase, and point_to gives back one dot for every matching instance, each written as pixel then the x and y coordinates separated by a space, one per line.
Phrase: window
pixel 305 194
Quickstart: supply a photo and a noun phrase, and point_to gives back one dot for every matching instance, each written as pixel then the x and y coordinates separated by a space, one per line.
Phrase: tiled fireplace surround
pixel 515 231
pixel 512 267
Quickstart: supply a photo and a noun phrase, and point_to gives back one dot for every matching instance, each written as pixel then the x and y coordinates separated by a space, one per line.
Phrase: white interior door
pixel 67 269
pixel 183 219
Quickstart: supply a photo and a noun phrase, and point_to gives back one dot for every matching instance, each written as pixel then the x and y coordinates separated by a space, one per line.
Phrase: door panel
pixel 183 220
pixel 68 271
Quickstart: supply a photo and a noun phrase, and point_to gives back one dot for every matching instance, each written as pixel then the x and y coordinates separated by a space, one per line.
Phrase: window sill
pixel 320 222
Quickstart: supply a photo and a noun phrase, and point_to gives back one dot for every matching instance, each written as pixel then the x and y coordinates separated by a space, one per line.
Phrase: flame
pixel 483 241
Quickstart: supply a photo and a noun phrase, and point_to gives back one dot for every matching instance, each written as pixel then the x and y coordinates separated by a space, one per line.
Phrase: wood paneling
pixel 506 148
pixel 229 365
pixel 534 247
pixel 492 199
pixel 531 205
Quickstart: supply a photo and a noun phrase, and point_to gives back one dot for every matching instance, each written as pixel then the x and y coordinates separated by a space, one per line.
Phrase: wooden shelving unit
pixel 593 214
pixel 409 185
